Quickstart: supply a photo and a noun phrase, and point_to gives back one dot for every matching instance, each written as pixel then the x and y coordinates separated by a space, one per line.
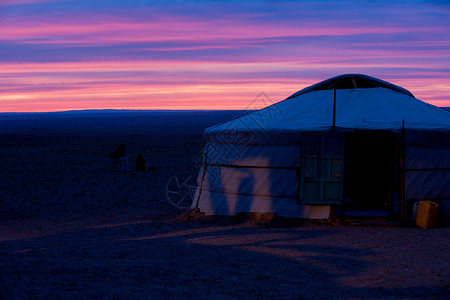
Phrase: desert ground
pixel 71 228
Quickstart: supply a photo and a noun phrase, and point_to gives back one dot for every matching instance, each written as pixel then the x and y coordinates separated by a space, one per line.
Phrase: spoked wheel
pixel 180 189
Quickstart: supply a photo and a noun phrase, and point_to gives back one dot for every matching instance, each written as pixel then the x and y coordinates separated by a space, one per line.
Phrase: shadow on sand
pixel 191 260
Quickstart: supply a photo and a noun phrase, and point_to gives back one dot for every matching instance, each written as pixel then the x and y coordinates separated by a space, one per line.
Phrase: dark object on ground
pixel 140 163
pixel 119 160
pixel 119 152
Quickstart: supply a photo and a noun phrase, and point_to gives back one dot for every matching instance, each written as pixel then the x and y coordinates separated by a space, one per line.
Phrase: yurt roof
pixel 376 107
pixel 351 81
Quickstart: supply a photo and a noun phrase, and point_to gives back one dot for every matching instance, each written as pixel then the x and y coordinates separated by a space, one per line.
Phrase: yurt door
pixel 321 180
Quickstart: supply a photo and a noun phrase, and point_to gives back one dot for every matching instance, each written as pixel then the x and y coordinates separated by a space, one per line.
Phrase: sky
pixel 58 55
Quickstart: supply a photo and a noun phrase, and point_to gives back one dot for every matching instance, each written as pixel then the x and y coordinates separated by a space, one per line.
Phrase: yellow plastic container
pixel 427 214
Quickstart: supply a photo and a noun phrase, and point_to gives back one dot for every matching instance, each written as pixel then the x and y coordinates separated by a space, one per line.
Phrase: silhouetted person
pixel 120 161
pixel 140 163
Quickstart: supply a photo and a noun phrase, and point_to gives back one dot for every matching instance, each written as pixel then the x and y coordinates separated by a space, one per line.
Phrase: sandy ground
pixel 72 228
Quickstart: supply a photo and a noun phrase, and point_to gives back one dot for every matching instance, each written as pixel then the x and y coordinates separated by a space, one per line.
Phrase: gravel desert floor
pixel 70 228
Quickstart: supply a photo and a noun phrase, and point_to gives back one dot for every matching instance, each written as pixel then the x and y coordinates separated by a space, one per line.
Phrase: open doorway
pixel 371 170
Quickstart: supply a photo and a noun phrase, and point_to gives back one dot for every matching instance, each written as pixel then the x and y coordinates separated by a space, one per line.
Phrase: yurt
pixel 349 145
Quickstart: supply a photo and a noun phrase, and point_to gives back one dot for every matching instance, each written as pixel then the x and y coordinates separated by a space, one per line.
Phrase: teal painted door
pixel 321 180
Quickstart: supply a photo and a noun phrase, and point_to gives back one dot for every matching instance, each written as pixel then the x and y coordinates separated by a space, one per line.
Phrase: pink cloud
pixel 209 62
pixel 100 29
pixel 65 86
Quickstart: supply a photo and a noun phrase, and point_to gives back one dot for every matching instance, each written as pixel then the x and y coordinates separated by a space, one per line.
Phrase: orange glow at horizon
pixel 148 85
pixel 99 54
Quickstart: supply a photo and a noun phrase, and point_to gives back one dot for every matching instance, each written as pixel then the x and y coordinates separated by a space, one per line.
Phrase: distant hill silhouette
pixel 113 122
pixel 116 122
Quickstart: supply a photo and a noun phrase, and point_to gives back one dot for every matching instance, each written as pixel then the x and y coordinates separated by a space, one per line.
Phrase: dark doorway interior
pixel 371 170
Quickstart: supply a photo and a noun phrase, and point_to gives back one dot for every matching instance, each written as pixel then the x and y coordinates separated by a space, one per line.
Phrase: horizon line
pixel 110 110
pixel 101 110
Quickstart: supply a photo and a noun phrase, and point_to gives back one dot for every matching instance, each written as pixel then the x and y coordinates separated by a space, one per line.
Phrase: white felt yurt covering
pixel 259 162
